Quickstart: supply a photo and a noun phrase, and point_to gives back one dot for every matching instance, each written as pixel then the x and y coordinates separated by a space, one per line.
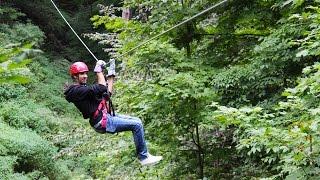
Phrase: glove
pixel 112 68
pixel 99 66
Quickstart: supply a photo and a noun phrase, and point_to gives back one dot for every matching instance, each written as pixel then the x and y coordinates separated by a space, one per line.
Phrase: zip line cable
pixel 185 21
pixel 145 42
pixel 74 31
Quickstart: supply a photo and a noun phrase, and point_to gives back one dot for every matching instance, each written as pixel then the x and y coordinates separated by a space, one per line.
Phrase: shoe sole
pixel 151 163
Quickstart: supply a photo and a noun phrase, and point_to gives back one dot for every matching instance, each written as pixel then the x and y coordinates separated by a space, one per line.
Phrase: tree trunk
pixel 200 154
pixel 188 48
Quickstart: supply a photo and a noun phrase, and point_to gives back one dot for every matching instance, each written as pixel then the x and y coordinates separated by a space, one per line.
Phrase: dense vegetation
pixel 232 94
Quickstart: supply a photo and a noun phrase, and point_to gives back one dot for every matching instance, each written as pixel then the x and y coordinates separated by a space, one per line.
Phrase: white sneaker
pixel 150 160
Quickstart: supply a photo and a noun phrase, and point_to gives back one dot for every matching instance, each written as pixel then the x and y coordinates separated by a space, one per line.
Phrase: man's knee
pixel 138 120
pixel 138 124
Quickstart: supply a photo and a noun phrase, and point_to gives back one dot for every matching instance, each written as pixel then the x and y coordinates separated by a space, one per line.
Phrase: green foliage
pixel 19 33
pixel 295 3
pixel 308 43
pixel 117 152
pixel 16 32
pixel 9 15
pixel 9 91
pixel 16 49
pixel 172 95
pixel 273 64
pixel 245 54
pixel 7 163
pixel 116 23
pixel 33 160
pixel 13 63
pixel 170 88
pixel 285 137
pixel 28 114
pixel 24 153
pixel 59 37
pixel 27 152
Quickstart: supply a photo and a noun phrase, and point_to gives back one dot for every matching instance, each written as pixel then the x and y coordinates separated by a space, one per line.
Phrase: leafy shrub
pixel 27 152
pixel 28 114
pixel 16 48
pixel 116 159
pixel 9 91
pixel 285 137
pixel 23 33
pixel 13 61
pixel 7 164
pixel 8 14
pixel 20 34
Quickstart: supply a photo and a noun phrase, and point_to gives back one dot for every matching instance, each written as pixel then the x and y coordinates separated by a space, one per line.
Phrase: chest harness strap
pixel 100 115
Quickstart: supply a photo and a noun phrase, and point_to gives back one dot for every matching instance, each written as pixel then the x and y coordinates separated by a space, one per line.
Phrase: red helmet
pixel 78 67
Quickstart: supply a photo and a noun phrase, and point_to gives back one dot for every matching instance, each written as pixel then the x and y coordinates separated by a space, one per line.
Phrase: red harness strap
pixel 104 108
pixel 101 106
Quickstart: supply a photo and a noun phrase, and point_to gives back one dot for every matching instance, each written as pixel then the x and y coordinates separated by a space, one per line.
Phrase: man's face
pixel 82 77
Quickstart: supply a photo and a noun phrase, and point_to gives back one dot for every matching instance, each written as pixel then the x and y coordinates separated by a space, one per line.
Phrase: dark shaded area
pixel 59 37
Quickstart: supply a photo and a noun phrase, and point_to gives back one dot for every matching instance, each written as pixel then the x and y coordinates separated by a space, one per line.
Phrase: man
pixel 92 101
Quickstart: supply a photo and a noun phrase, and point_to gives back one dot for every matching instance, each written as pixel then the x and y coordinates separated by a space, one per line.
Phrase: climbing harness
pixel 107 97
pixel 99 119
pixel 145 42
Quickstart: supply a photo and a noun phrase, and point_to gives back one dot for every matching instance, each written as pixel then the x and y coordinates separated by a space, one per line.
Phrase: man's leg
pixel 121 123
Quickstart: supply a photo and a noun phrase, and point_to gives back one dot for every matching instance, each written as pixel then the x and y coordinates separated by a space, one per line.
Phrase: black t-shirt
pixel 85 98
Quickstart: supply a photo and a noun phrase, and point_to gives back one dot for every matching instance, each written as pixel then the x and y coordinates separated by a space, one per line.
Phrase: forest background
pixel 232 94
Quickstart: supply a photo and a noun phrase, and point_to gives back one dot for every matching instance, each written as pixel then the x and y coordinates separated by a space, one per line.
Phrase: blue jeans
pixel 121 123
